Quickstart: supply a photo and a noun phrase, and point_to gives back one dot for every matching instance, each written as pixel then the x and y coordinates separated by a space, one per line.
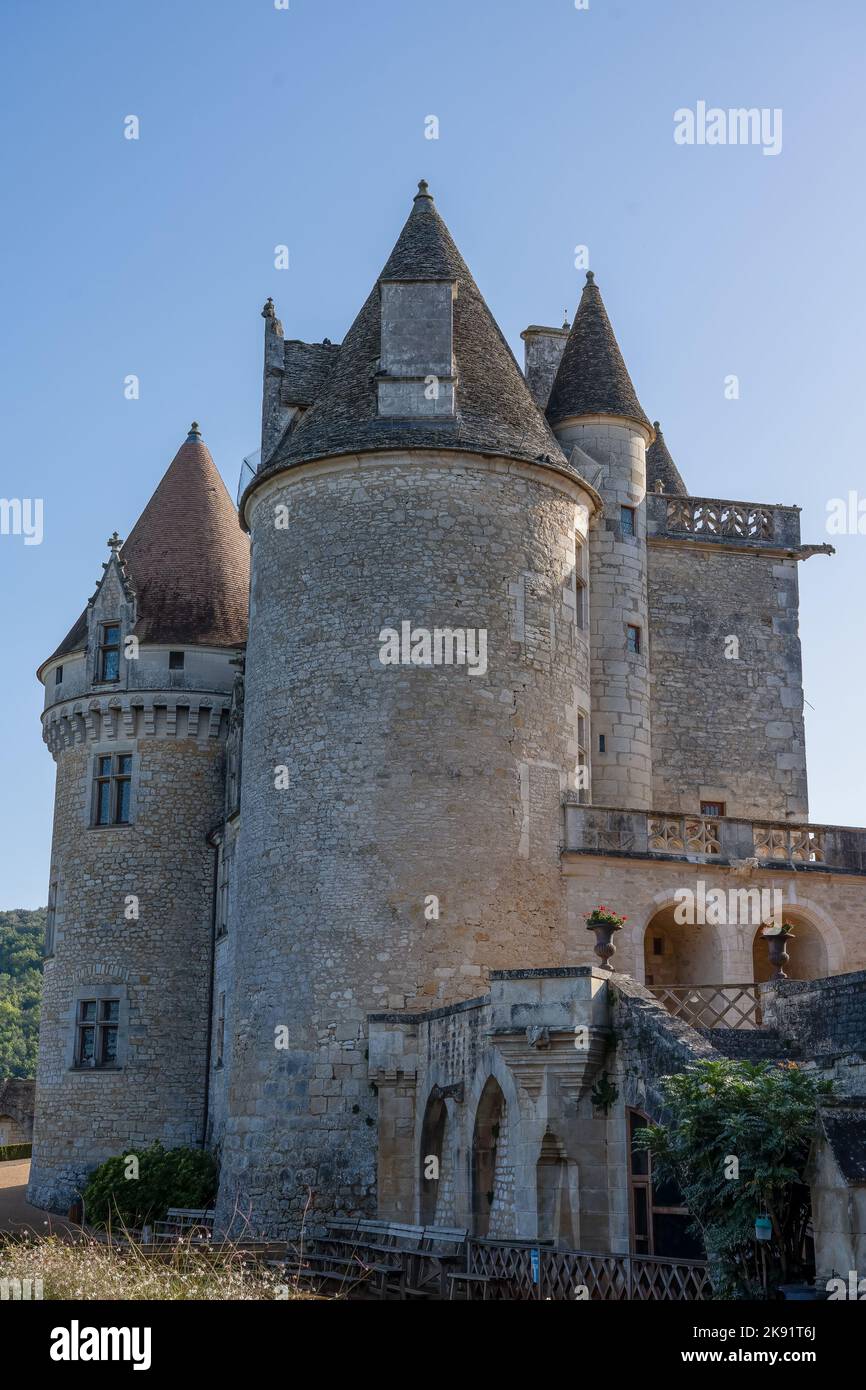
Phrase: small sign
pixel 535 1260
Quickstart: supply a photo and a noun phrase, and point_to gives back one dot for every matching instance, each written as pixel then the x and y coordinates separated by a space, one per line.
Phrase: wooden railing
pixel 712 1006
pixel 522 1272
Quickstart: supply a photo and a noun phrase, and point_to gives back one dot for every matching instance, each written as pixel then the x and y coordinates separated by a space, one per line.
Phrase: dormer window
pixel 109 652
pixel 416 361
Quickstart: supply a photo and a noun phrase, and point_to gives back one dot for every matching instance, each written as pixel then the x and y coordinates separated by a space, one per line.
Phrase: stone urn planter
pixel 777 939
pixel 604 923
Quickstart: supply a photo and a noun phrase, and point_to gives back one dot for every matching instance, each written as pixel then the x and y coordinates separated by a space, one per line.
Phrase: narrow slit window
pixel 581 586
pixel 58 675
pixel 583 776
pixel 633 639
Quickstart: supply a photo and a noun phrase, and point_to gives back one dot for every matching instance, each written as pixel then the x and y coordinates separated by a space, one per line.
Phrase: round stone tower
pixel 136 701
pixel 598 420
pixel 417 686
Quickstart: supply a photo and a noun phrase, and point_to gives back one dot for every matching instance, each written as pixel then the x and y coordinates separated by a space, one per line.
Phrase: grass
pixel 89 1269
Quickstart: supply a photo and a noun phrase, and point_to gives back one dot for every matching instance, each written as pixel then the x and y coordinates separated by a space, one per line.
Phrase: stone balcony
pixel 739 525
pixel 726 841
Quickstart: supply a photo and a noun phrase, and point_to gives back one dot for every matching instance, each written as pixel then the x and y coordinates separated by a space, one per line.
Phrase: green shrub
pixel 12 1151
pixel 165 1178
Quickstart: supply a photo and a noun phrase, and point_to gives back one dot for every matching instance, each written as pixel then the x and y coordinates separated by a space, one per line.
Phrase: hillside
pixel 21 936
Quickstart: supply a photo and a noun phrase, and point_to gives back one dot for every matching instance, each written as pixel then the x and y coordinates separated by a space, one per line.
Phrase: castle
pixel 322 908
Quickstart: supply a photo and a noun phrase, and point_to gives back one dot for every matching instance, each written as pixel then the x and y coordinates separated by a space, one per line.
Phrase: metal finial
pixel 269 312
pixel 194 432
pixel 590 277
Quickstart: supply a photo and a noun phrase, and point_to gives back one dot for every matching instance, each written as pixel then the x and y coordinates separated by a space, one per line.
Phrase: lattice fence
pixel 563 1274
pixel 712 1006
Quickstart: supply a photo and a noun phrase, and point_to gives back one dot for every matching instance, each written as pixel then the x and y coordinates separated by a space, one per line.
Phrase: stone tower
pixel 136 700
pixel 417 695
pixel 600 424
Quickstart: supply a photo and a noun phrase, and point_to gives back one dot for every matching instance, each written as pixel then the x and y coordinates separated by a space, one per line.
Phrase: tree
pixel 736 1140
pixel 21 936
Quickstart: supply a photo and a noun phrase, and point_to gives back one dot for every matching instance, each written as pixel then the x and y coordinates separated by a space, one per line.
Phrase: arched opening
pixel 487 1137
pixel 677 953
pixel 9 1131
pixel 807 952
pixel 555 1216
pixel 432 1143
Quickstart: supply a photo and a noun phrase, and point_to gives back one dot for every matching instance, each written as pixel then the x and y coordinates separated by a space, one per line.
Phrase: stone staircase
pixel 749 1044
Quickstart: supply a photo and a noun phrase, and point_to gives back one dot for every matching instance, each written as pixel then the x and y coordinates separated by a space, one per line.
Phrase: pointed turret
pixel 424 365
pixel 592 378
pixel 186 559
pixel 660 467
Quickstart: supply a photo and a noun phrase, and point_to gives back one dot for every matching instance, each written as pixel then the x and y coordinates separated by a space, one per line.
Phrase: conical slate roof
pixel 660 467
pixel 495 412
pixel 187 560
pixel 592 378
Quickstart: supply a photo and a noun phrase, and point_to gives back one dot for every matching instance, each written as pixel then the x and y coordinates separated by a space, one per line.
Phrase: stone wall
pixel 156 964
pixel 17 1099
pixel 401 785
pixel 727 730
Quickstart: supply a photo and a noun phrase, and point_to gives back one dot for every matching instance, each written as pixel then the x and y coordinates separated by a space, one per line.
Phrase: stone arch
pixel 676 953
pixel 557 1214
pixel 431 1157
pixel 807 951
pixel 487 1134
pixel 10 1131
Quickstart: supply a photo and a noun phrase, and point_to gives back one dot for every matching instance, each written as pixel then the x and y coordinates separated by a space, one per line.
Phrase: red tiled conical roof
pixel 187 558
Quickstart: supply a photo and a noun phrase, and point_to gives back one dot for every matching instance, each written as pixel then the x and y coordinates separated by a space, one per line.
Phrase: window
pixel 660 1223
pixel 175 661
pixel 583 783
pixel 658 946
pixel 223 886
pixel 58 675
pixel 96 1032
pixel 712 808
pixel 112 786
pixel 633 639
pixel 601 743
pixel 49 920
pixel 626 520
pixel 220 1031
pixel 581 589
pixel 109 652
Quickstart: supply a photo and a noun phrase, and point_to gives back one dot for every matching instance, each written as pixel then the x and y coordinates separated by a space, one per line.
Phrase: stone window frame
pixel 102 750
pixel 637 649
pixel 719 814
pixel 581 582
pixel 50 920
pixel 220 1032
pixel 173 663
pixel 225 862
pixel 109 990
pixel 583 735
pixel 627 529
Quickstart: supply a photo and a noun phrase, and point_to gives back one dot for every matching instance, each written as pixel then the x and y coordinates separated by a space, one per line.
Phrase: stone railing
pixel 709 839
pixel 711 518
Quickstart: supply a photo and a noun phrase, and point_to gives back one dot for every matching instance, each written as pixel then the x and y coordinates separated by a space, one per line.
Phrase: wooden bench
pixel 184 1221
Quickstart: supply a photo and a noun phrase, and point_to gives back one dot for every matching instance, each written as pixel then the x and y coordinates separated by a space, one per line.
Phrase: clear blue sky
pixel 306 127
